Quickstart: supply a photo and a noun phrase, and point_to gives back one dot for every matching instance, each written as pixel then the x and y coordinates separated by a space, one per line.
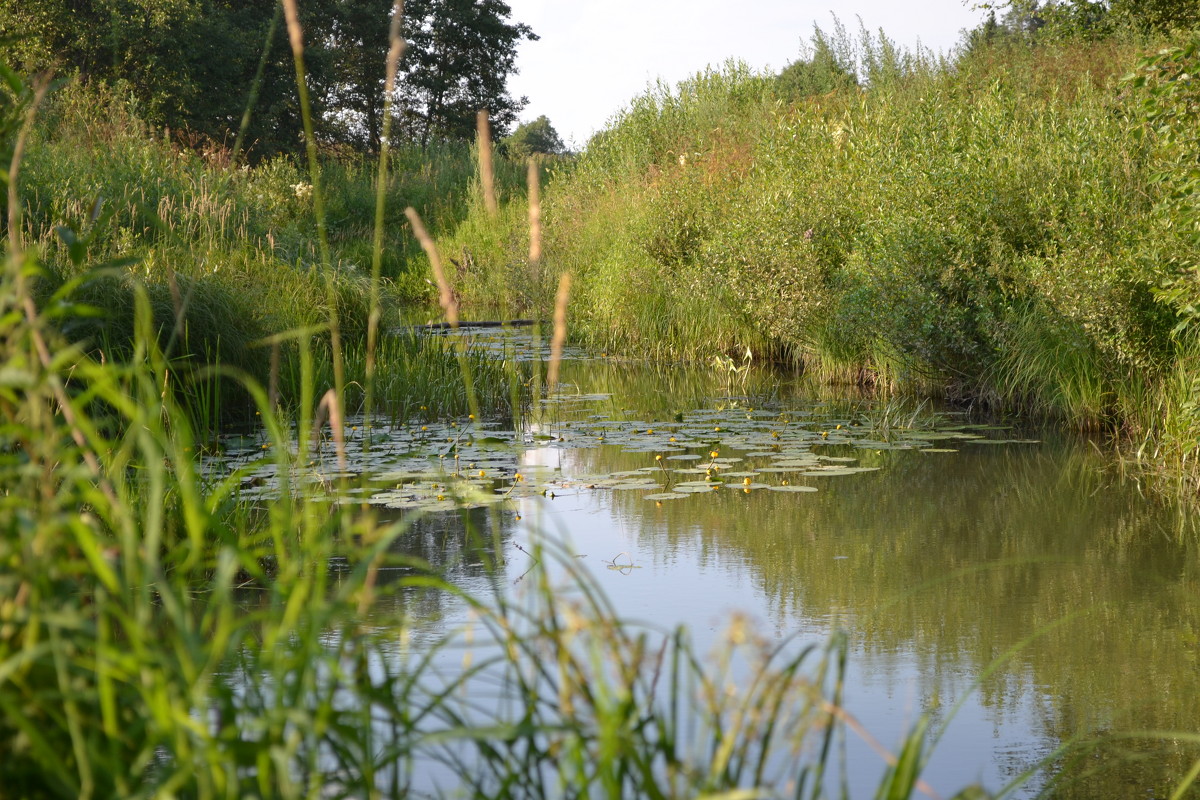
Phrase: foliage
pixel 533 137
pixel 824 68
pixel 162 635
pixel 459 56
pixel 1171 113
pixel 977 229
pixel 1050 20
pixel 227 256
pixel 192 64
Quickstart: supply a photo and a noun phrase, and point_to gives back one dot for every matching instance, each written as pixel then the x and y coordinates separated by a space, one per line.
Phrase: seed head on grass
pixel 445 293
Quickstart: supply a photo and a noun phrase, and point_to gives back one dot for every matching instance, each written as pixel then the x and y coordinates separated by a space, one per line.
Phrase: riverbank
pixel 994 229
pixel 229 259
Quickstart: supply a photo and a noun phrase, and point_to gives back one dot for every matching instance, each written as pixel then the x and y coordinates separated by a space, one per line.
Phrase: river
pixel 1007 581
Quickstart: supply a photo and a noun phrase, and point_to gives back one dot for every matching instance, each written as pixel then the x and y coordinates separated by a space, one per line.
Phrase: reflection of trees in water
pixel 659 391
pixel 460 547
pixel 958 557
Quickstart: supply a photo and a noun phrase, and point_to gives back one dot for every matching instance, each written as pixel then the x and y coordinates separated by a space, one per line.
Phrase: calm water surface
pixel 1024 583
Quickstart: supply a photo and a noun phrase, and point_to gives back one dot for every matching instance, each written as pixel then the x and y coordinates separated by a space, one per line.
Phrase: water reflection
pixel 1032 569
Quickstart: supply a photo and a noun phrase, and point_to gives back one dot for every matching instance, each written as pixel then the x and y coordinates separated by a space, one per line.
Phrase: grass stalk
pixel 395 51
pixel 256 84
pixel 487 174
pixel 449 305
pixel 533 182
pixel 446 296
pixel 296 39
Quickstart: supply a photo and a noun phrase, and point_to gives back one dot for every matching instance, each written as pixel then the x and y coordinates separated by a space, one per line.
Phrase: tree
pixel 538 136
pixel 1159 15
pixel 191 64
pixel 459 56
pixel 1031 20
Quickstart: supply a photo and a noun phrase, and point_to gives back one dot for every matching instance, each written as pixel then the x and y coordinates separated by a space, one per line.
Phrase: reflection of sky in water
pixel 693 585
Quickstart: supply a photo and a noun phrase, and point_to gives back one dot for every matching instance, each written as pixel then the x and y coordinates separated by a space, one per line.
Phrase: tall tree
pixel 460 54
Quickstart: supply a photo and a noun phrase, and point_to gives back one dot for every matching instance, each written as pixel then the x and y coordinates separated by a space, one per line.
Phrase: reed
pixel 395 51
pixel 915 236
pixel 134 662
pixel 487 175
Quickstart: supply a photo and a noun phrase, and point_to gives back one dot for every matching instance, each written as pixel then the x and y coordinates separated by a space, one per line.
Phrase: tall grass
pixel 229 256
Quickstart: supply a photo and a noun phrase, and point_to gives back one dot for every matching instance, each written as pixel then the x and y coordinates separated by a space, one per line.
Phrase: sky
pixel 594 56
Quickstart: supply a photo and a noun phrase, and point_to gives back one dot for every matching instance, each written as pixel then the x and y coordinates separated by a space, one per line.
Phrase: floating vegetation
pixel 433 466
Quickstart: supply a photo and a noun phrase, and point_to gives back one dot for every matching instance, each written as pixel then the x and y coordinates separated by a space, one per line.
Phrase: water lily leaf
pixel 790 488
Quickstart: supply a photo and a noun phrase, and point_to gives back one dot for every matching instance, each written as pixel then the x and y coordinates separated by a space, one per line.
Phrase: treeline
pixel 200 66
pixel 1014 225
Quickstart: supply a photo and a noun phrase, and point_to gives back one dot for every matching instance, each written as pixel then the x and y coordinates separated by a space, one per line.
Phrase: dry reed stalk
pixel 395 50
pixel 486 174
pixel 535 218
pixel 560 328
pixel 446 296
pixel 273 378
pixel 396 45
pixel 330 409
pixel 295 37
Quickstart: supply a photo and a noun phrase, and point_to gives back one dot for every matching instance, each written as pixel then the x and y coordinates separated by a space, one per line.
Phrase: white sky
pixel 594 56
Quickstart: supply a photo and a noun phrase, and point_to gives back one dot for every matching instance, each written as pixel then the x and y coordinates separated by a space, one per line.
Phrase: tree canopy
pixel 537 136
pixel 191 63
